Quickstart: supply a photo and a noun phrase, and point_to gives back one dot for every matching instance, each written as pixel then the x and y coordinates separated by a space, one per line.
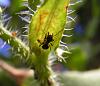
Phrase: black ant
pixel 47 41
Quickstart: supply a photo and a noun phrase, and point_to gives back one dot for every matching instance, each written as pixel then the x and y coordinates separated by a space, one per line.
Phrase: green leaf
pixel 50 18
pixel 33 4
pixel 45 32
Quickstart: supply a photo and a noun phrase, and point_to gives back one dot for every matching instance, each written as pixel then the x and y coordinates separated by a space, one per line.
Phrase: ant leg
pixel 40 45
pixel 48 33
pixel 51 44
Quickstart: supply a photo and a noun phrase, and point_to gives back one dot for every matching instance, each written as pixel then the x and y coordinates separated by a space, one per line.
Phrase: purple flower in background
pixel 4 48
pixel 4 3
pixel 79 29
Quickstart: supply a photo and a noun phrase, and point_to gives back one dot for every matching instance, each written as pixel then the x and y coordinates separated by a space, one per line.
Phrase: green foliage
pixel 6 80
pixel 33 4
pixel 75 78
pixel 49 19
pixel 78 58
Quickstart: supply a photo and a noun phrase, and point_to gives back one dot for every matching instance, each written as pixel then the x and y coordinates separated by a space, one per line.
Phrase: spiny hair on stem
pixel 71 20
